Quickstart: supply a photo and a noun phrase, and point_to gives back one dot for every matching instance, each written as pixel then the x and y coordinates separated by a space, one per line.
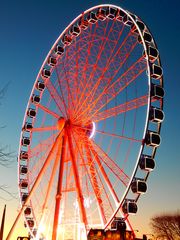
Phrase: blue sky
pixel 29 29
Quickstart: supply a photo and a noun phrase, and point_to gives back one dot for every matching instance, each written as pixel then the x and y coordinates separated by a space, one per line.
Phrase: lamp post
pixel 137 234
pixel 136 230
pixel 149 234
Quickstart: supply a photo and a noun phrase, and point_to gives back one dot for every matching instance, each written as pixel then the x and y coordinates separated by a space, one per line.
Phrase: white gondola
pixel 66 40
pixel 46 73
pixel 141 26
pixel 75 31
pixel 23 155
pixel 34 232
pixel 92 18
pixel 147 38
pixel 118 224
pixel 83 24
pixel 23 170
pixel 129 207
pixel 120 15
pixel 153 53
pixel 40 86
pixel 147 163
pixel 59 50
pixel 30 223
pixel 128 21
pixel 152 139
pixel 111 13
pixel 23 184
pixel 31 112
pixel 101 14
pixel 35 99
pixel 27 211
pixel 156 115
pixel 25 141
pixel 139 186
pixel 28 127
pixel 52 61
pixel 24 197
pixel 156 71
pixel 157 91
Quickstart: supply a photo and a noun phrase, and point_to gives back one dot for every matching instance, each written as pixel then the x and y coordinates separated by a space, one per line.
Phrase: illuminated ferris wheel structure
pixel 92 126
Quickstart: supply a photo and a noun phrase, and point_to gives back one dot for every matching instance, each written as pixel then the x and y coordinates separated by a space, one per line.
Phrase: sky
pixel 28 29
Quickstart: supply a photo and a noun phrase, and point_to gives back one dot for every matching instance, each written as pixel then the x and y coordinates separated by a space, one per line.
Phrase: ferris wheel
pixel 92 126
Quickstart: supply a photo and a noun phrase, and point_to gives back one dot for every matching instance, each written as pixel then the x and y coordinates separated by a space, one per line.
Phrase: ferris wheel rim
pixel 149 98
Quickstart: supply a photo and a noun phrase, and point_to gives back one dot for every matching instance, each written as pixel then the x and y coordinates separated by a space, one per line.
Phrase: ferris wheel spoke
pixel 119 136
pixel 99 80
pixel 111 91
pixel 105 176
pixel 106 198
pixel 42 149
pixel 43 159
pixel 118 86
pixel 75 66
pixel 89 82
pixel 92 178
pixel 47 110
pixel 125 79
pixel 85 65
pixel 64 88
pixel 44 129
pixel 116 170
pixel 92 174
pixel 121 108
pixel 42 145
pixel 122 54
pixel 76 72
pixel 97 184
pixel 84 81
pixel 56 97
pixel 69 90
pixel 81 45
pixel 35 165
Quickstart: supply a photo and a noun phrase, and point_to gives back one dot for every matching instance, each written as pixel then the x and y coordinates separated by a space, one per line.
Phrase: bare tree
pixel 166 226
pixel 5 154
pixel 6 158
pixel 3 91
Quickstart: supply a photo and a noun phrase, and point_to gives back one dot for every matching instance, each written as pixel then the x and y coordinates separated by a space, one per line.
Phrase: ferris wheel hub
pixel 60 123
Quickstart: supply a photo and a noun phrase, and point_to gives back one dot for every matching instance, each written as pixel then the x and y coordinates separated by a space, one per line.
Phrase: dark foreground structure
pixel 117 232
pixel 113 235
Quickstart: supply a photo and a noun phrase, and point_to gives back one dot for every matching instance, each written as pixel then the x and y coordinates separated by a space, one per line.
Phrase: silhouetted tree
pixel 166 226
pixel 6 157
pixel 5 154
